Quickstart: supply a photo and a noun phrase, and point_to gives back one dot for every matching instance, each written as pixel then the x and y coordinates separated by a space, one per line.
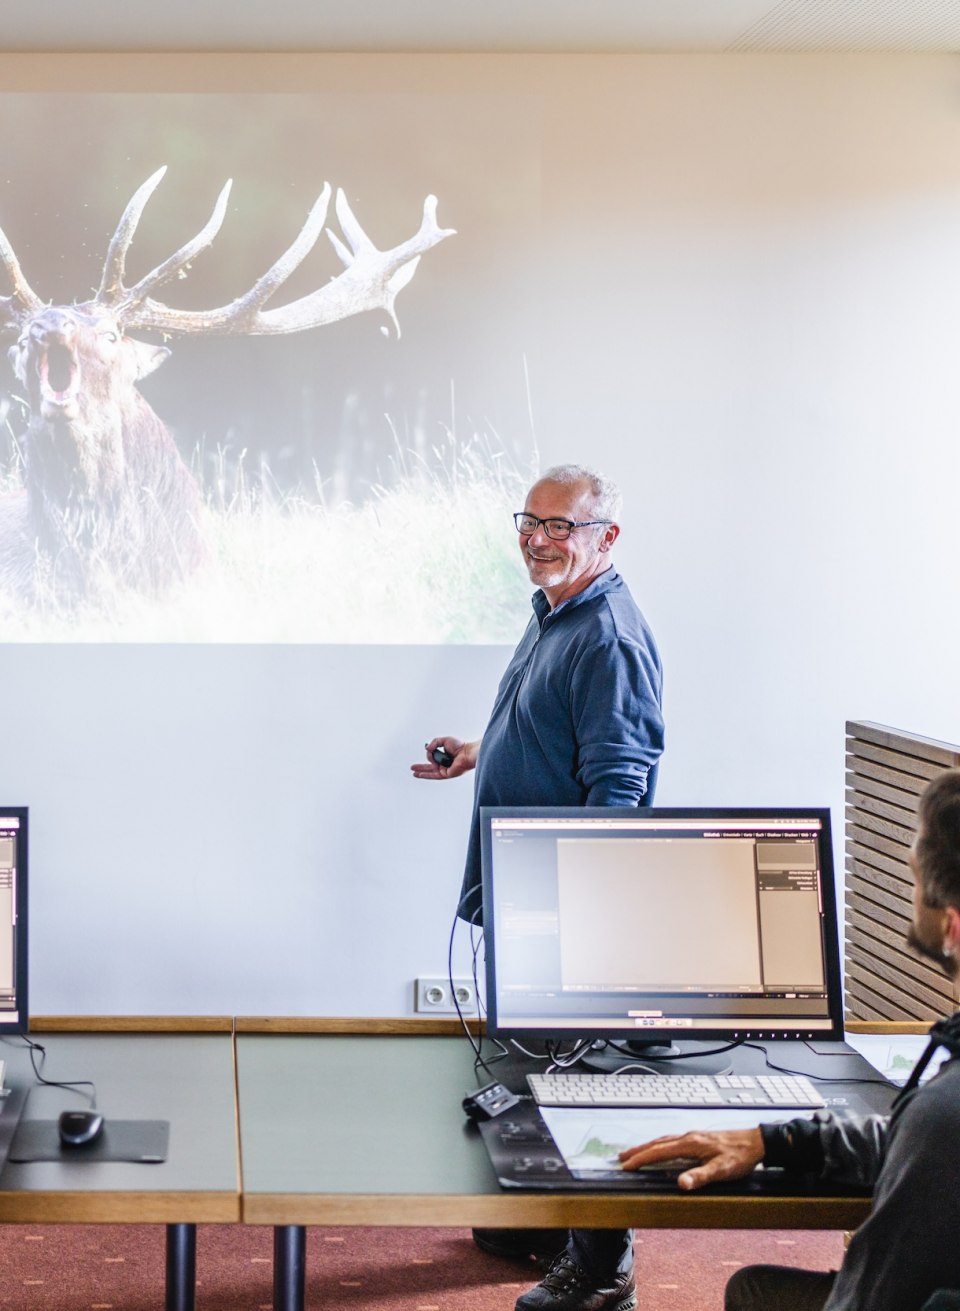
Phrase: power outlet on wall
pixel 434 995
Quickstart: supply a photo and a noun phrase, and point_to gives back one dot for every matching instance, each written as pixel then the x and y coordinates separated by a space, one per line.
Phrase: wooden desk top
pixel 186 1079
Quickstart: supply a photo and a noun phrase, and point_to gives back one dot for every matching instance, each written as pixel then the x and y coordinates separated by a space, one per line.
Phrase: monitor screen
pixel 660 924
pixel 13 919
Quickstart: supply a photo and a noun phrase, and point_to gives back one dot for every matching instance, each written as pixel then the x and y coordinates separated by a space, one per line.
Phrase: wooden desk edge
pixel 887 1026
pixel 330 1024
pixel 131 1024
pixel 562 1210
pixel 362 1024
pixel 346 1024
pixel 81 1207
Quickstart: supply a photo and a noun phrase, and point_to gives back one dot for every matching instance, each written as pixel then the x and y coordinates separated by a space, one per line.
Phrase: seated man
pixel 910 1244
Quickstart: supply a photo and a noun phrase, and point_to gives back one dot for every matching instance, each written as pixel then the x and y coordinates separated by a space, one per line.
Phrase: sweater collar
pixel 604 582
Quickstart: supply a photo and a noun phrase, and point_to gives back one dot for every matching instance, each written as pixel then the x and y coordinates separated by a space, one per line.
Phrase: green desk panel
pixel 186 1079
pixel 357 1114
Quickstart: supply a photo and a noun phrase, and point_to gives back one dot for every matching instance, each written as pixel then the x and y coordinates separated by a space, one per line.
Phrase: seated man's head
pixel 935 864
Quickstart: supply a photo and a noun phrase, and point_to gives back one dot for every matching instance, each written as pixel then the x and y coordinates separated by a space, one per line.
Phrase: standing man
pixel 908 1247
pixel 576 722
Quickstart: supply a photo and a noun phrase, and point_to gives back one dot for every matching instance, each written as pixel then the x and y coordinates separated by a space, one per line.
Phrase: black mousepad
pixel 143 1141
pixel 524 1155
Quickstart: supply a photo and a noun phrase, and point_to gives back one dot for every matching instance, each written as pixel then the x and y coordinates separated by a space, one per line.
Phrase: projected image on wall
pixel 296 469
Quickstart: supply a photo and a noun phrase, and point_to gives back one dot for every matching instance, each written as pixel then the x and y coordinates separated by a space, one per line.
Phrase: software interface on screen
pixel 12 842
pixel 632 922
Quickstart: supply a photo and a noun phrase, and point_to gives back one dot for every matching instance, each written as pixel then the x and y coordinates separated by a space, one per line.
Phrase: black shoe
pixel 567 1287
pixel 538 1247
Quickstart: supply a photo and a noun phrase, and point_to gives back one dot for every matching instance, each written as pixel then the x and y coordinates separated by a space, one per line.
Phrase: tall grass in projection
pixel 428 556
pixel 107 532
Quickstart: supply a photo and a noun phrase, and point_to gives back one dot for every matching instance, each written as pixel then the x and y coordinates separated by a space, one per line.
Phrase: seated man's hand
pixel 728 1155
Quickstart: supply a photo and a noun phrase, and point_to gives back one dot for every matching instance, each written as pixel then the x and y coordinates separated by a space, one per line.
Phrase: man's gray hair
pixel 606 494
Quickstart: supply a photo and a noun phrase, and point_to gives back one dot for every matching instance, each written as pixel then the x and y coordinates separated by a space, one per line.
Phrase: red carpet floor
pixel 120 1268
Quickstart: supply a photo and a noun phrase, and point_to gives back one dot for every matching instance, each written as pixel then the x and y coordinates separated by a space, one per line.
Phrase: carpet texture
pixel 121 1267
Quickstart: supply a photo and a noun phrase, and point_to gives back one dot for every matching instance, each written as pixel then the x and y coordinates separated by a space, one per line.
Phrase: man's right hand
pixel 464 759
pixel 731 1154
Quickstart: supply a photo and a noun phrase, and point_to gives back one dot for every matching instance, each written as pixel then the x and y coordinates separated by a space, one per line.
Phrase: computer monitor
pixel 660 924
pixel 13 919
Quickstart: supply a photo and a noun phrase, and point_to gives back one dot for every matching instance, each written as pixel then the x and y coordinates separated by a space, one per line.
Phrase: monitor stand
pixel 684 1057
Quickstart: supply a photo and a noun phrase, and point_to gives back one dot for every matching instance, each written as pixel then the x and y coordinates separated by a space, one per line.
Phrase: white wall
pixel 745 278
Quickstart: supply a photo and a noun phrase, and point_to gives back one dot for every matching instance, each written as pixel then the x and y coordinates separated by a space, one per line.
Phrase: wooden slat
pixel 901 764
pixel 945 754
pixel 863 785
pixel 878 835
pixel 896 1006
pixel 893 903
pixel 863 801
pixel 893 962
pixel 901 986
pixel 859 907
pixel 894 875
pixel 892 950
pixel 894 778
pixel 872 1004
pixel 876 850
pixel 895 831
pixel 891 1002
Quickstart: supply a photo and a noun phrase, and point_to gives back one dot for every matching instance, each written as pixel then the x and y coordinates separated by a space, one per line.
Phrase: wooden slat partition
pixel 886 772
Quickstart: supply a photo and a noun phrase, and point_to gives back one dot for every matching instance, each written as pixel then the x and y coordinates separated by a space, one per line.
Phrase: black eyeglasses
pixel 558 529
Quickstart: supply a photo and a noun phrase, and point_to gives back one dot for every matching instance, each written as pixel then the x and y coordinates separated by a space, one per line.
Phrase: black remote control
pixel 441 757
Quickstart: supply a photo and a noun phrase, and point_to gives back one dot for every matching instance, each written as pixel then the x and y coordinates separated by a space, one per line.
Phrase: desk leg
pixel 289 1267
pixel 181 1267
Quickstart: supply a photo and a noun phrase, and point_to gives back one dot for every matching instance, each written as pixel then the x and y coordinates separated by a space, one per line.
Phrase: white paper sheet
pixel 590 1139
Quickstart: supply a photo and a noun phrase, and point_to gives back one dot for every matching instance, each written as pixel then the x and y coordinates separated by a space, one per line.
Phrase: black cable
pixel 681 1056
pixel 33 1048
pixel 805 1074
pixel 453 992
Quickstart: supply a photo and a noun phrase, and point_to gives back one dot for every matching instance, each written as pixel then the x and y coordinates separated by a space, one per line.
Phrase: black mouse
pixel 79 1128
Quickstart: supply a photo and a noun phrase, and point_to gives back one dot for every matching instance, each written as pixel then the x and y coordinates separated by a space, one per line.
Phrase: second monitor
pixel 660 924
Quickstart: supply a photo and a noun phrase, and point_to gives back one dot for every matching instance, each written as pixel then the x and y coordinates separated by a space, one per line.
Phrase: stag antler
pixel 371 279
pixel 111 291
pixel 24 299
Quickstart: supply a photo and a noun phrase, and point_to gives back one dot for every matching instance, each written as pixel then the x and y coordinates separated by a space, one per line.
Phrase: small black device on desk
pixel 79 1128
pixel 488 1102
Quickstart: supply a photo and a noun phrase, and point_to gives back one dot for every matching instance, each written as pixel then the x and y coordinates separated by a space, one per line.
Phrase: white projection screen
pixel 727 281
pixel 239 505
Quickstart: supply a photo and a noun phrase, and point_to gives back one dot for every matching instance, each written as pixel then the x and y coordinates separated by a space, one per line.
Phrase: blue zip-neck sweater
pixel 577 720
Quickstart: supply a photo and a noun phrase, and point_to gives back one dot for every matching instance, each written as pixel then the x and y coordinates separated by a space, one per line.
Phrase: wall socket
pixel 433 995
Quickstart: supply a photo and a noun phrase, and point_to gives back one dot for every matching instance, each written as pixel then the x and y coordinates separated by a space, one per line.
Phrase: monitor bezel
pixel 567 1036
pixel 21 975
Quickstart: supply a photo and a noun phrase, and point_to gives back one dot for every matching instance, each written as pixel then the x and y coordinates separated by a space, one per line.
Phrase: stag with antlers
pixel 108 500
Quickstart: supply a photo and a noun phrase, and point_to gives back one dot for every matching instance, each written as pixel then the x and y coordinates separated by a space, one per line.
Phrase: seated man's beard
pixel 947 963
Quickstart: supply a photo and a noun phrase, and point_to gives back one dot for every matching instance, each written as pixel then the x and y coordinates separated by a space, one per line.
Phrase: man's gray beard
pixel 548 577
pixel 948 964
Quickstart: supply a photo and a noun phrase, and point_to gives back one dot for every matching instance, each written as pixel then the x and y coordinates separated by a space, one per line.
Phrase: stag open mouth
pixel 59 371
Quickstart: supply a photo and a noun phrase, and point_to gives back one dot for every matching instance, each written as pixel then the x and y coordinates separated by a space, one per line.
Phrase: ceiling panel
pixel 467 25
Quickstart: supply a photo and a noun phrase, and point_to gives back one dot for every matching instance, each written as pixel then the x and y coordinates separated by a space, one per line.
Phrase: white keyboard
pixel 787 1090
